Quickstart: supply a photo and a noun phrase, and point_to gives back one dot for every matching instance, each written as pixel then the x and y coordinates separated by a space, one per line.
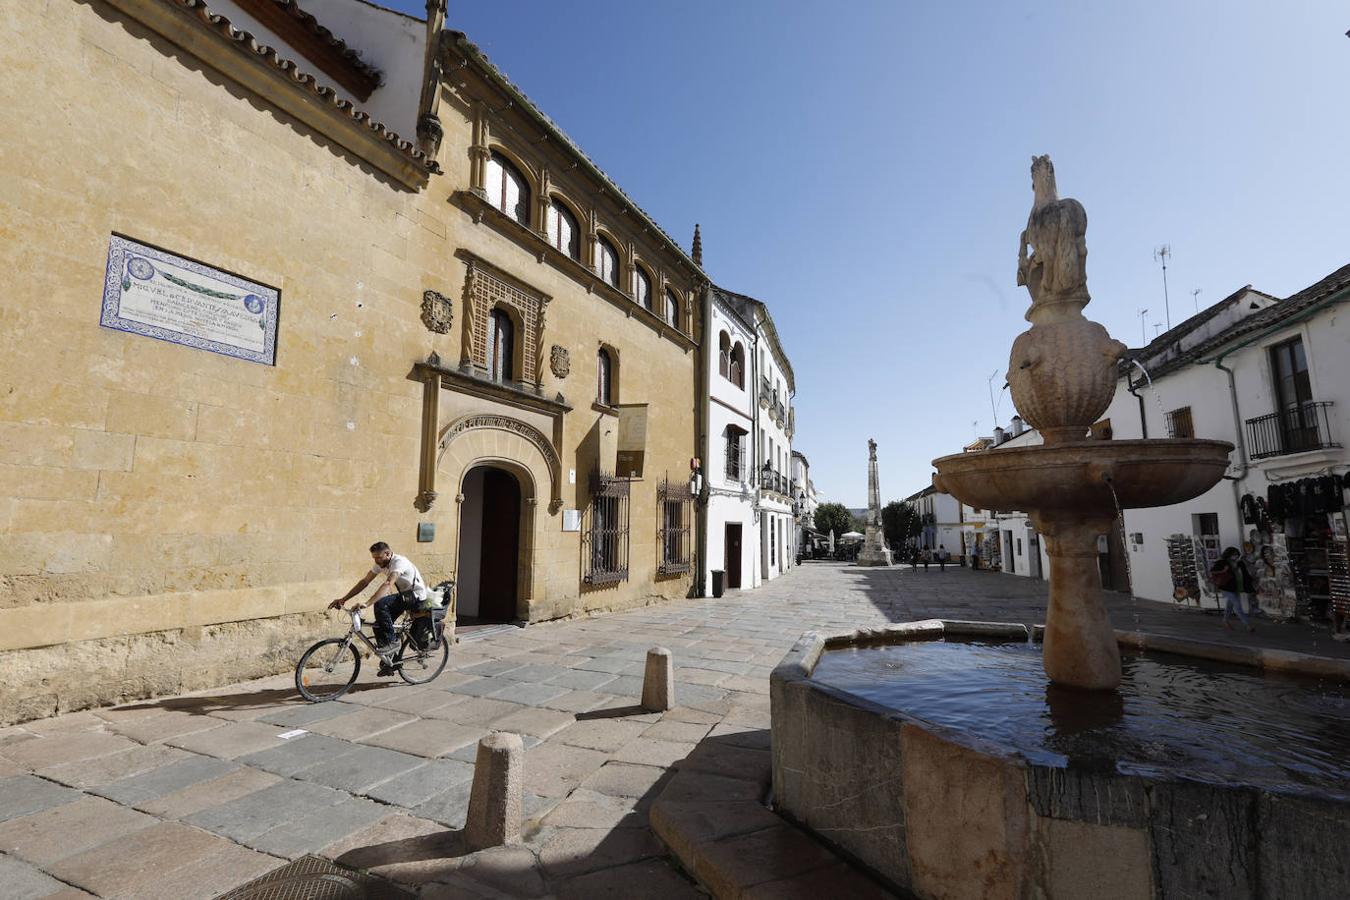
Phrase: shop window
pixel 507 188
pixel 605 532
pixel 674 502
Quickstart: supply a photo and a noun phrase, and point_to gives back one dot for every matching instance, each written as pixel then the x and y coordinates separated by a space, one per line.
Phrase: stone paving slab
pixel 23 795
pixel 260 811
pixel 25 882
pixel 305 833
pixel 130 866
pixel 359 768
pixel 101 770
pixel 362 722
pixel 217 791
pixel 417 786
pixel 427 737
pixel 231 740
pixel 166 779
pixel 77 826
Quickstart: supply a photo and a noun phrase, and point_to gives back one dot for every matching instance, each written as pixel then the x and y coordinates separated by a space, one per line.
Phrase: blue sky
pixel 863 168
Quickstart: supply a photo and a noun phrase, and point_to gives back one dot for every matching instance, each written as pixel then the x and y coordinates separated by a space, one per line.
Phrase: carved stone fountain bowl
pixel 1074 477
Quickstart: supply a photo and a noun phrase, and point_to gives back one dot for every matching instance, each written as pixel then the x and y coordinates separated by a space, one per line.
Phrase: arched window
pixel 724 355
pixel 642 287
pixel 604 381
pixel 562 229
pixel 507 188
pixel 501 346
pixel 736 371
pixel 607 262
pixel 672 309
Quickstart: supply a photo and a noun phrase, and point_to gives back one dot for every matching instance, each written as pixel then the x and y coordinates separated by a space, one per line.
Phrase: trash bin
pixel 719 582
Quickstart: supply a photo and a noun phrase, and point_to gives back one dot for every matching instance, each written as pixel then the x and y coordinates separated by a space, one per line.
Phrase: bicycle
pixel 328 669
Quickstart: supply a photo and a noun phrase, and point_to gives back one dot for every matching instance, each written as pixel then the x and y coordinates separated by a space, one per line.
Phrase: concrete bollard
pixel 658 682
pixel 494 800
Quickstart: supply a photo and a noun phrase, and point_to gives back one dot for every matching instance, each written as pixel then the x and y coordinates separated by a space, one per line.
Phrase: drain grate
pixel 312 878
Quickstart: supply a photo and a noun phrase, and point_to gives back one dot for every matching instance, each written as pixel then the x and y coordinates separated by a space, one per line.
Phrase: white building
pixel 940 518
pixel 751 528
pixel 1273 378
pixel 732 476
pixel 805 502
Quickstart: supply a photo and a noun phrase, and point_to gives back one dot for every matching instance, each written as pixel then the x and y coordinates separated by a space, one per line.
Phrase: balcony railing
pixel 774 481
pixel 1298 429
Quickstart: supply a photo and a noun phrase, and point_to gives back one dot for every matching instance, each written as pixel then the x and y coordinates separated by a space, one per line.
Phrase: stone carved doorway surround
pixel 518 448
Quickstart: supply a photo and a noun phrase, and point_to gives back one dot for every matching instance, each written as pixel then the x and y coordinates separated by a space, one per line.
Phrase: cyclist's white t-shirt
pixel 406 576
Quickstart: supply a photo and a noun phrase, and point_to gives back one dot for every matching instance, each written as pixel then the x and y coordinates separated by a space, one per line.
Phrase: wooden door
pixel 732 564
pixel 500 548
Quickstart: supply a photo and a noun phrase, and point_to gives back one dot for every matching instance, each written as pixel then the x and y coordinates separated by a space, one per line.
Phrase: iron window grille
pixel 735 456
pixel 674 503
pixel 604 538
pixel 1179 423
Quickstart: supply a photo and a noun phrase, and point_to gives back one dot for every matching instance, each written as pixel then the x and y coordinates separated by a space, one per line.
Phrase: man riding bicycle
pixel 403 590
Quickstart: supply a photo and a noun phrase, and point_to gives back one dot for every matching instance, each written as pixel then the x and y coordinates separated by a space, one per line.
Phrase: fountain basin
pixel 941 807
pixel 1072 477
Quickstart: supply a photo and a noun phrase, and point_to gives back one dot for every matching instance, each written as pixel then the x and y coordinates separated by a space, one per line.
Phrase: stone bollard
pixel 658 682
pixel 494 800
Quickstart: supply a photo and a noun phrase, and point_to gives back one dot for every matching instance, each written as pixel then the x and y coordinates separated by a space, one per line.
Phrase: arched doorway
pixel 489 546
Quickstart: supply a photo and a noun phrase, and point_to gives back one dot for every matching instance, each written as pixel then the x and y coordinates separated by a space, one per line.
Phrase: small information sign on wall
pixel 155 293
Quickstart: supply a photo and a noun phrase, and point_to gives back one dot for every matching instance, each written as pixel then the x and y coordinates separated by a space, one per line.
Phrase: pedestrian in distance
pixel 943 556
pixel 974 557
pixel 1233 579
pixel 927 556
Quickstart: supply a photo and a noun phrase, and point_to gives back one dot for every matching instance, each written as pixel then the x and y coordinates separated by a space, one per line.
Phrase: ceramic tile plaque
pixel 158 294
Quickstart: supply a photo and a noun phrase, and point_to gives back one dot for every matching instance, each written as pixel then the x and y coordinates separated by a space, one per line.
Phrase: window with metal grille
pixel 674 502
pixel 735 454
pixel 1179 423
pixel 604 537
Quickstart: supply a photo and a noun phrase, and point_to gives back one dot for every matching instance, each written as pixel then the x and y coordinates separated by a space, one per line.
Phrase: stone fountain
pixel 937 754
pixel 1063 374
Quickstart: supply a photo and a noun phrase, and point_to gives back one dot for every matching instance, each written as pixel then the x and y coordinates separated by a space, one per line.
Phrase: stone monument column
pixel 874 551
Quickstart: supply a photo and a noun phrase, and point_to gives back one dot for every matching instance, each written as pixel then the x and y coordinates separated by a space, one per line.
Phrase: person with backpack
pixel 1233 579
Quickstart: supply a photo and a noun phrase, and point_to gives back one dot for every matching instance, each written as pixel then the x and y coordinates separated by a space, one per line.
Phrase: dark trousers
pixel 389 608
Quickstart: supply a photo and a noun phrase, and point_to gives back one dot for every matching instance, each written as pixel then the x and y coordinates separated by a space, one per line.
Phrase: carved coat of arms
pixel 559 362
pixel 437 312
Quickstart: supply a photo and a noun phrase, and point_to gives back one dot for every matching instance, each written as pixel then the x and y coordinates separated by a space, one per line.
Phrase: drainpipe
pixel 1235 480
pixel 704 443
pixel 1134 389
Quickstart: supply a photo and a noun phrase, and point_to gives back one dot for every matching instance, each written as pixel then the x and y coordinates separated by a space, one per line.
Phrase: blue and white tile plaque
pixel 155 293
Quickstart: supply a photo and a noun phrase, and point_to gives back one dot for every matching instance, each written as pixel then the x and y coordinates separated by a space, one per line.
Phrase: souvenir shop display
pixel 1185 574
pixel 1306 518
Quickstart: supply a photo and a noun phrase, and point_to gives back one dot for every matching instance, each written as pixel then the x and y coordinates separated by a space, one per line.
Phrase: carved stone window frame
pixel 485 288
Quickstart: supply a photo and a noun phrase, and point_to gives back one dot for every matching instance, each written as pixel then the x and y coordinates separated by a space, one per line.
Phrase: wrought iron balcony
pixel 1297 429
pixel 774 481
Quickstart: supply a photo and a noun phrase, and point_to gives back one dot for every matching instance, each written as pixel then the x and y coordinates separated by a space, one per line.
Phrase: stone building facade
pixel 477 347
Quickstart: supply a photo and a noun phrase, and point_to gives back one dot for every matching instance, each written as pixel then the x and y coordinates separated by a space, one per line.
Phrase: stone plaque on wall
pixel 155 293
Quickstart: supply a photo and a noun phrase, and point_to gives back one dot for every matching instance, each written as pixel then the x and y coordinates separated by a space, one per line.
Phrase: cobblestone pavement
pixel 190 796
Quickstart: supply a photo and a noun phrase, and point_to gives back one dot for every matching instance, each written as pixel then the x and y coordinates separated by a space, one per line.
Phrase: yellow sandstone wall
pixel 173 519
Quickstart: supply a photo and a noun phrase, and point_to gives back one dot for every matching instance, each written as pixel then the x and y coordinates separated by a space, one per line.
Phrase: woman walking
pixel 1232 577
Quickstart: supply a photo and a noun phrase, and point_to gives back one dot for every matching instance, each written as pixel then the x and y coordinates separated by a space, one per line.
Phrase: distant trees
pixel 833 517
pixel 900 523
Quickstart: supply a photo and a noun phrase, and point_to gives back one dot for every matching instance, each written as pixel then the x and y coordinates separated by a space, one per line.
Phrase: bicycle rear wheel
pixel 328 670
pixel 419 667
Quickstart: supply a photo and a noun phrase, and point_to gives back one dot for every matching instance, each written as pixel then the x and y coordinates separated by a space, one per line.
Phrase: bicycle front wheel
pixel 328 670
pixel 419 667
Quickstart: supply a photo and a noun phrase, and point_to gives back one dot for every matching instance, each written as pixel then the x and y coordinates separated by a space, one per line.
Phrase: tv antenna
pixel 1157 327
pixel 1162 255
pixel 993 407
pixel 1143 335
pixel 1195 295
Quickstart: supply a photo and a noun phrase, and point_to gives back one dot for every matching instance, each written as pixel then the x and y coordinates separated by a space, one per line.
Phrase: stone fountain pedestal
pixel 874 551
